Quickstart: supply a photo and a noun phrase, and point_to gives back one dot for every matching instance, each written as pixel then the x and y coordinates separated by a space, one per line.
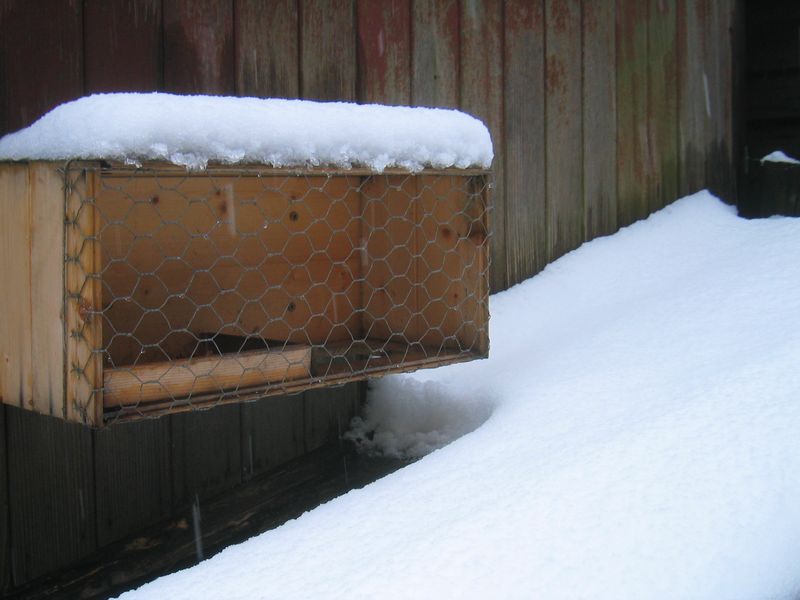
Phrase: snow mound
pixel 779 156
pixel 643 402
pixel 408 419
pixel 194 130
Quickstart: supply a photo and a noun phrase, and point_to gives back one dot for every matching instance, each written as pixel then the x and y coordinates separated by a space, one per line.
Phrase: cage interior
pixel 222 284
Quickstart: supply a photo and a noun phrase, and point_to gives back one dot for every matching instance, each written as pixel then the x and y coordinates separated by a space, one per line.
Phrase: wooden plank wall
pixel 600 113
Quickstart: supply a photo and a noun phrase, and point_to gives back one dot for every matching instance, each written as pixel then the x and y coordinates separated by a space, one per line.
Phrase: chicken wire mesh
pixel 187 289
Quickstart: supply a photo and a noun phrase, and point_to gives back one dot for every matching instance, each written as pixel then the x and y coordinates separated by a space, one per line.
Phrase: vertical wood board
pixel 51 493
pixel 328 50
pixel 122 42
pixel 634 160
pixel 266 48
pixel 524 149
pixel 133 483
pixel 206 452
pixel 662 104
pixel 41 58
pixel 16 368
pixel 564 126
pixel 272 433
pixel 599 119
pixel 384 51
pixel 481 69
pixel 47 287
pixel 198 46
pixel 435 51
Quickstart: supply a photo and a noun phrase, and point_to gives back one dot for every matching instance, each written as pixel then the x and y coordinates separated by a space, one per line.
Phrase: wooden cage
pixel 142 290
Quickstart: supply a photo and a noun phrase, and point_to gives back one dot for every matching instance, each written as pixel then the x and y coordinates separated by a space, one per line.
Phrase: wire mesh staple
pixel 188 289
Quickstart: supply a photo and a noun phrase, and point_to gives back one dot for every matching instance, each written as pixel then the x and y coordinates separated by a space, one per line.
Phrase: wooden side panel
pixel 524 162
pixel 328 49
pixel 599 119
pixel 41 58
pixel 693 103
pixel 633 150
pixel 266 48
pixel 206 452
pixel 482 96
pixel 122 41
pixel 198 46
pixel 272 433
pixel 435 47
pixel 51 493
pixel 16 369
pixel 84 400
pixel 662 103
pixel 133 477
pixel 47 288
pixel 384 51
pixel 564 126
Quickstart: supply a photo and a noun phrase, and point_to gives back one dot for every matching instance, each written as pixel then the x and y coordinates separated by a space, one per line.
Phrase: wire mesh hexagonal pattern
pixel 188 289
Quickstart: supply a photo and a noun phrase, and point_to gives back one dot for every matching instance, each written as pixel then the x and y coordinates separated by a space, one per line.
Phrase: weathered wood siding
pixel 601 112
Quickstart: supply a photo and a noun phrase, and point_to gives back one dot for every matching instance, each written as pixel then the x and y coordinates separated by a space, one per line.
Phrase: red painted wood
pixel 524 133
pixel 198 46
pixel 384 51
pixel 328 49
pixel 266 48
pixel 122 41
pixel 436 41
pixel 41 58
pixel 563 87
pixel 634 159
pixel 481 69
pixel 599 119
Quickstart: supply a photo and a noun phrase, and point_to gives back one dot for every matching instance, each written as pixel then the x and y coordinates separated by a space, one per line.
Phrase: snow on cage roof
pixel 193 130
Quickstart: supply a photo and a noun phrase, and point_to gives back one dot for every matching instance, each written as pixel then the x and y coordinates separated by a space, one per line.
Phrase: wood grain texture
pixel 435 50
pixel 133 486
pixel 206 452
pixel 481 69
pixel 47 288
pixel 564 126
pixel 84 394
pixel 662 104
pixel 634 158
pixel 198 46
pixel 384 51
pixel 272 433
pixel 122 44
pixel 266 48
pixel 524 149
pixel 16 368
pixel 5 537
pixel 51 493
pixel 693 108
pixel 41 58
pixel 328 413
pixel 599 119
pixel 177 379
pixel 328 49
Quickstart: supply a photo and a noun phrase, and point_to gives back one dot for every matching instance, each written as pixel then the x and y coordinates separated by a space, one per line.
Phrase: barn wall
pixel 600 112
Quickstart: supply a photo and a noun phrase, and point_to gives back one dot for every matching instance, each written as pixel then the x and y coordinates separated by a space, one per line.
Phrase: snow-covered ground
pixel 635 434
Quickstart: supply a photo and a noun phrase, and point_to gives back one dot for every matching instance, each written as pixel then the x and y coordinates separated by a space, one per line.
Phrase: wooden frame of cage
pixel 49 326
